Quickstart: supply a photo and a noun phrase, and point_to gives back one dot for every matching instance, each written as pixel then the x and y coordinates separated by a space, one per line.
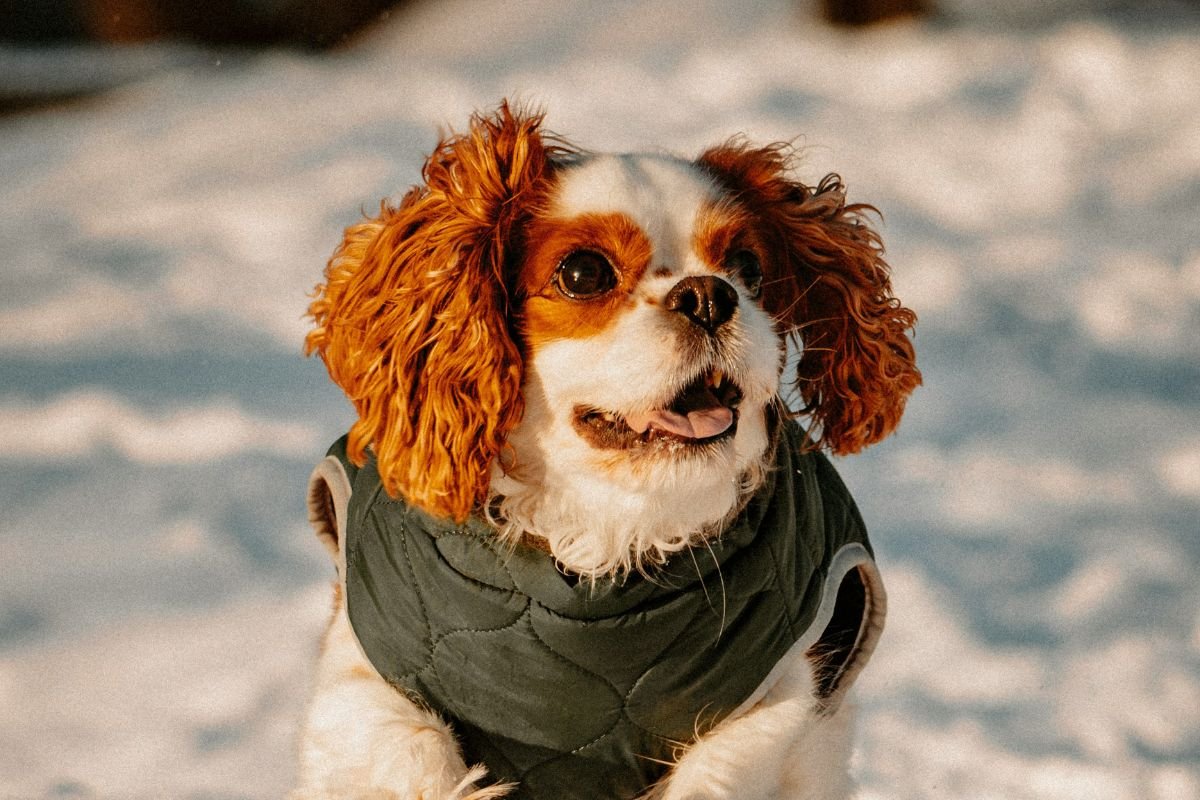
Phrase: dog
pixel 584 546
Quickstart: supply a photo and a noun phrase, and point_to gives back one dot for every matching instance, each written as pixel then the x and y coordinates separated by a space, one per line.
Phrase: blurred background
pixel 173 176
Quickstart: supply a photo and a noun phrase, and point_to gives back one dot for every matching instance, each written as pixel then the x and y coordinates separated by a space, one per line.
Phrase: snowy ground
pixel 1037 517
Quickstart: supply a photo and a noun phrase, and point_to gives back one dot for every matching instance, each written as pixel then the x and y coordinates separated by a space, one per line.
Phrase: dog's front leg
pixel 781 749
pixel 366 741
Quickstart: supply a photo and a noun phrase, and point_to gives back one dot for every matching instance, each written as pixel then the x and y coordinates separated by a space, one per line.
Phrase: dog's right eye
pixel 585 274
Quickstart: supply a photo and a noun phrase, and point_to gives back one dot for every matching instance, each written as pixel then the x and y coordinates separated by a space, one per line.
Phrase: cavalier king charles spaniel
pixel 578 379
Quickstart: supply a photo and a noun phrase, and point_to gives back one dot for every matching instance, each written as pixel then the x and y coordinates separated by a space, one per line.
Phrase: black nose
pixel 707 300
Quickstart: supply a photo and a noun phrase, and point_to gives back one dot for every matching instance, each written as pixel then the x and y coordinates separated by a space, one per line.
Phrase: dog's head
pixel 593 346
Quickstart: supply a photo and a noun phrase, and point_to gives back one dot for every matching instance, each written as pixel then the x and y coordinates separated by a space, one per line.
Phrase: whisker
pixel 798 299
pixel 721 578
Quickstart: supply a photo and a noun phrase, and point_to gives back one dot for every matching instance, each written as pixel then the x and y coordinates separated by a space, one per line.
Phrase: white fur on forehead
pixel 661 194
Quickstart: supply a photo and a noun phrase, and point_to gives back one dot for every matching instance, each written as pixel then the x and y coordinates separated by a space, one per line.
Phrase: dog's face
pixel 593 345
pixel 649 362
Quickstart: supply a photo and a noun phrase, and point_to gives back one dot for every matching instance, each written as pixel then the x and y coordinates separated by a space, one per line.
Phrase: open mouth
pixel 704 411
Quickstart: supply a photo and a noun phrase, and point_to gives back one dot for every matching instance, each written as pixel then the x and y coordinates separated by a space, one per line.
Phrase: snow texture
pixel 1036 517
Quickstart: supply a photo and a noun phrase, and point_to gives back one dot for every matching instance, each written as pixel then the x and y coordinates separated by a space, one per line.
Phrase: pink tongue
pixel 699 424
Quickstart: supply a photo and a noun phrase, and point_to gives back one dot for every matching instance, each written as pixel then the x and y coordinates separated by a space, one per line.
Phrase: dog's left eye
pixel 584 274
pixel 745 265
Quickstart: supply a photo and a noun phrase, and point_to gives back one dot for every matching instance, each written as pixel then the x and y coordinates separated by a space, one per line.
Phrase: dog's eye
pixel 745 265
pixel 584 274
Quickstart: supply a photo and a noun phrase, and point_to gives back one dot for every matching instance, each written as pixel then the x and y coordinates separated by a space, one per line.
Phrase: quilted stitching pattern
pixel 579 695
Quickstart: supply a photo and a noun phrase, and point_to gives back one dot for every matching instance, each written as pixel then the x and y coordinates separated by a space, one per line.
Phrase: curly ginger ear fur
pixel 413 320
pixel 830 290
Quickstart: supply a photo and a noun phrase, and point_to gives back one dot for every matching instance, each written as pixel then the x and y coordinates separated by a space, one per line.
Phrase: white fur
pixel 660 193
pixel 601 513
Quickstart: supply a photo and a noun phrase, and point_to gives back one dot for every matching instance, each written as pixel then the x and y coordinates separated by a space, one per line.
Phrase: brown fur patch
pixel 547 314
pixel 362 673
pixel 718 227
pixel 725 227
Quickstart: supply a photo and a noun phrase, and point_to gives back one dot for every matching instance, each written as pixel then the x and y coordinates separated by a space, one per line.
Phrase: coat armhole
pixel 843 634
pixel 851 628
pixel 328 500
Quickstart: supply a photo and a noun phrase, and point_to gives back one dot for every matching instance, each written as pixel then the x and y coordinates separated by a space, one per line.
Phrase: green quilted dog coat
pixel 575 689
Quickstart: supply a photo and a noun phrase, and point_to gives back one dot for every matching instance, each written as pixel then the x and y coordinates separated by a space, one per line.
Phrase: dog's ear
pixel 830 290
pixel 413 318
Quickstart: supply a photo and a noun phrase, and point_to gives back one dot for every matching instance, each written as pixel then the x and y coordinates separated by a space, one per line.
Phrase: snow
pixel 1036 517
pixel 79 424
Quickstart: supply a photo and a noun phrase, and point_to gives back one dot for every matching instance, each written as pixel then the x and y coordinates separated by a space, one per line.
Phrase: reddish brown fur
pixel 724 228
pixel 827 284
pixel 547 314
pixel 717 228
pixel 412 321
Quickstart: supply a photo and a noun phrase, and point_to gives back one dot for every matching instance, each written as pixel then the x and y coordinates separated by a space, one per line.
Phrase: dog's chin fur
pixel 630 515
